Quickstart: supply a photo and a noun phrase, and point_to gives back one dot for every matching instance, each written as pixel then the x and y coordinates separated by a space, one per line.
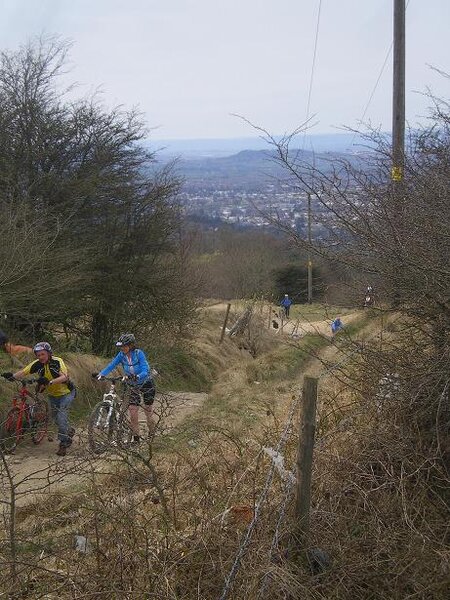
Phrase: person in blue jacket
pixel 336 325
pixel 135 366
pixel 286 304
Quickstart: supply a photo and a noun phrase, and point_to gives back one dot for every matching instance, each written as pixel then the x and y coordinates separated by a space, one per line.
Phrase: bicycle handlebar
pixel 122 378
pixel 9 377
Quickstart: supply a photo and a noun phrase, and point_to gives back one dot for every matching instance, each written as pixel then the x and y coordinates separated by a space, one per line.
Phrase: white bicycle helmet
pixel 126 339
pixel 42 346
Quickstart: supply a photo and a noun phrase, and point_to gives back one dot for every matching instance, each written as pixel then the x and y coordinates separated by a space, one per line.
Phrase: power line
pixel 308 108
pixel 372 93
pixel 313 67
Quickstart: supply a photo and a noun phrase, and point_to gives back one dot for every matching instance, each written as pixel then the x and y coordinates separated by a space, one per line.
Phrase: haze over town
pixel 189 64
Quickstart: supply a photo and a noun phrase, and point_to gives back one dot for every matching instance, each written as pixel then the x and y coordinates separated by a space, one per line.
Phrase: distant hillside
pixel 248 169
pixel 204 148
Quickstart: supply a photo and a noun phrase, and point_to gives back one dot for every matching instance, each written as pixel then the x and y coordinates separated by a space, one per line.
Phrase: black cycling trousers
pixel 147 390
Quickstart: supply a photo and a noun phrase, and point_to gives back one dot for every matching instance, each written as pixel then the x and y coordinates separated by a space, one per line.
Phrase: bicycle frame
pixel 106 425
pixel 109 400
pixel 21 414
pixel 21 403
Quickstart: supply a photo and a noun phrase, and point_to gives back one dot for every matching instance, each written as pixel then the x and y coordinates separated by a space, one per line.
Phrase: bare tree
pixel 86 175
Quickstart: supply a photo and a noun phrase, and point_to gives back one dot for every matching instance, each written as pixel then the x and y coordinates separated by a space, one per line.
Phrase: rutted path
pixel 35 470
pixel 301 327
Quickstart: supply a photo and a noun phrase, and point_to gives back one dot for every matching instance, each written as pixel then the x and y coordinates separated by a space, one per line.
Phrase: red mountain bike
pixel 24 417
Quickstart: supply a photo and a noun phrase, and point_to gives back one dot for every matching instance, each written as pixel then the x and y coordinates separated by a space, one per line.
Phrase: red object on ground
pixel 14 349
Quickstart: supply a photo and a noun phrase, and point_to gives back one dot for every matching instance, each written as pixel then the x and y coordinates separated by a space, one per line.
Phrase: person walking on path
pixel 369 297
pixel 52 377
pixel 286 304
pixel 136 367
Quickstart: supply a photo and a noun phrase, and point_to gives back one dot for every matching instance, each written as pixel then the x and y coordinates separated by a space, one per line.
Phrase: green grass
pixel 317 311
pixel 286 362
pixel 239 405
pixel 182 369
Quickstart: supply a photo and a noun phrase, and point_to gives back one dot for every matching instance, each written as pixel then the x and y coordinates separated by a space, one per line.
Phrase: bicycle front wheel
pixel 101 428
pixel 11 430
pixel 124 433
pixel 39 421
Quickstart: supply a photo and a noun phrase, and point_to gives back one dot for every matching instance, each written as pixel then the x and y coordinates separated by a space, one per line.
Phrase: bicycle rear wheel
pixel 101 428
pixel 39 421
pixel 10 430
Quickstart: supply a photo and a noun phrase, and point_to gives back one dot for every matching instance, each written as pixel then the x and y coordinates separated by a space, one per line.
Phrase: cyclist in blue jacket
pixel 135 366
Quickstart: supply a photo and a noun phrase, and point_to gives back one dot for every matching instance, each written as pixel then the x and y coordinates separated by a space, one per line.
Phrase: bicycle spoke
pixel 101 428
pixel 39 421
pixel 11 430
pixel 124 431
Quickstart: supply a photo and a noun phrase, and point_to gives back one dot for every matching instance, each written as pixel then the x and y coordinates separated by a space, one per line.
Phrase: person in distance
pixel 286 304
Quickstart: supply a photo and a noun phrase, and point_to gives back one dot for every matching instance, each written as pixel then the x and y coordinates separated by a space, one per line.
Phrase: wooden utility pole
pixel 398 101
pixel 309 252
pixel 305 457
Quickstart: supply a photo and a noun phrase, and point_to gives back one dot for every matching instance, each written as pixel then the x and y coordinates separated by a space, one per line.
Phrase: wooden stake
pixel 305 458
pixel 224 326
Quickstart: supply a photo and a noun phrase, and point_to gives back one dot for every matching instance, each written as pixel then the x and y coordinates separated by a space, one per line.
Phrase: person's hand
pixel 9 376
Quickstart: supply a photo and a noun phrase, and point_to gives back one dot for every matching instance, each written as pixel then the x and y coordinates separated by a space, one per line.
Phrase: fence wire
pixel 229 581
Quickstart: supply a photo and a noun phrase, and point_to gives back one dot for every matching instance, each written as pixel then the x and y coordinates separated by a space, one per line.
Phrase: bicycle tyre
pixel 124 433
pixel 8 430
pixel 100 432
pixel 39 423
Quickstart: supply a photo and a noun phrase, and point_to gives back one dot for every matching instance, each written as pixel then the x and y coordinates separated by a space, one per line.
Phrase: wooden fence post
pixel 224 326
pixel 305 458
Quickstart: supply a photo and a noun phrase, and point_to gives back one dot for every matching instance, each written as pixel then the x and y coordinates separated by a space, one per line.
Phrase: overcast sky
pixel 189 64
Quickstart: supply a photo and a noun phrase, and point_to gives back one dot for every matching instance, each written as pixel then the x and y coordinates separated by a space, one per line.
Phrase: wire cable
pixel 372 94
pixel 313 67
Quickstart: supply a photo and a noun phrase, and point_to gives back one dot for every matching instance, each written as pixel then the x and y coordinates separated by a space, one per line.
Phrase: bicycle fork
pixel 108 405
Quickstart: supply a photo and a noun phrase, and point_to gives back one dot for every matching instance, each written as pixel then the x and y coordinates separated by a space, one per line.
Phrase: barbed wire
pixel 290 484
pixel 229 581
pixel 274 544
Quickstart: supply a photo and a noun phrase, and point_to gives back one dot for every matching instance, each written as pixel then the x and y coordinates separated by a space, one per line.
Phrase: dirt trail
pixel 37 469
pixel 299 328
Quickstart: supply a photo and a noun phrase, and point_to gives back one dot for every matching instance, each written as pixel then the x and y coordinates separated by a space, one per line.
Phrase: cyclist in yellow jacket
pixel 52 376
